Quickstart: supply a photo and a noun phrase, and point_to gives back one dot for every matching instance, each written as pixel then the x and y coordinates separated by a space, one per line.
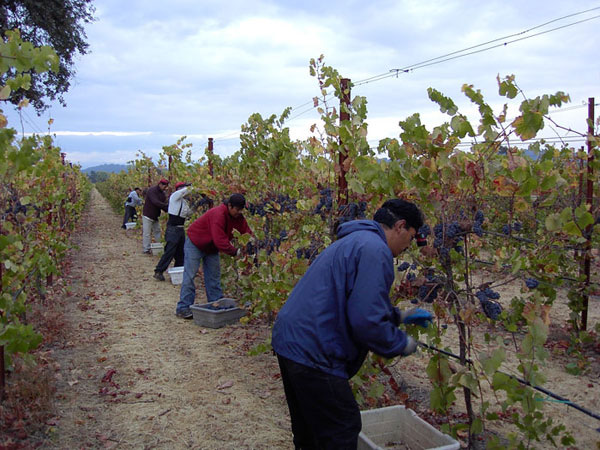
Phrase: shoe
pixel 159 276
pixel 147 252
pixel 124 227
pixel 185 313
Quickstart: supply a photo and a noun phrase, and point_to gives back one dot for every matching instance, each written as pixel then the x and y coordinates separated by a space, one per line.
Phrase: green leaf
pixel 528 186
pixel 572 229
pixel 553 222
pixel 491 363
pixel 376 390
pixel 447 105
pixel 507 88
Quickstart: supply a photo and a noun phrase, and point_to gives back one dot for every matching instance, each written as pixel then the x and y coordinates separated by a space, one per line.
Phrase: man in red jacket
pixel 208 235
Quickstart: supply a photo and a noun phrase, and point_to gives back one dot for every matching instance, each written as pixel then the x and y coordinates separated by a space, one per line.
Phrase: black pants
pixel 130 213
pixel 175 238
pixel 322 408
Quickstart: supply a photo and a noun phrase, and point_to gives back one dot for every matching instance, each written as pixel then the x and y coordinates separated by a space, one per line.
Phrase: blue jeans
pixel 212 275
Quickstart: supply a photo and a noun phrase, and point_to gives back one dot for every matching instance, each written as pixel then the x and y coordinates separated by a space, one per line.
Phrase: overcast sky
pixel 160 70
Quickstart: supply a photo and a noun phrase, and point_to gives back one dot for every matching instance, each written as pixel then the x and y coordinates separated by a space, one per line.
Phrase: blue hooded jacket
pixel 340 309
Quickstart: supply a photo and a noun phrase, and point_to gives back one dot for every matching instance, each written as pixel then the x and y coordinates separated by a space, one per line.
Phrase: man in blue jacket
pixel 337 312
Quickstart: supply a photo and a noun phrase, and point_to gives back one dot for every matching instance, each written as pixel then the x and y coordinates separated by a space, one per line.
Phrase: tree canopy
pixel 57 23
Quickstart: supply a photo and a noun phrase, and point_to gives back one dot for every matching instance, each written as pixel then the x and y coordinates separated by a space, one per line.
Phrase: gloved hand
pixel 410 347
pixel 416 316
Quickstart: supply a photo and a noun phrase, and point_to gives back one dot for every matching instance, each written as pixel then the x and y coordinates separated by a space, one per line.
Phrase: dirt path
pixel 132 375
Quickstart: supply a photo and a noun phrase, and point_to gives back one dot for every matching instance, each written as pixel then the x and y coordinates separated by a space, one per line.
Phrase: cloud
pixel 102 133
pixel 200 69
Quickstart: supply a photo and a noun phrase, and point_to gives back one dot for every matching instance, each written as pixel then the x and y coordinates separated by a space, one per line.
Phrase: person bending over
pixel 338 311
pixel 208 235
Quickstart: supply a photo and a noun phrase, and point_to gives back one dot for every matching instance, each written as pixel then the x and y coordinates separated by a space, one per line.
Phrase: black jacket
pixel 155 201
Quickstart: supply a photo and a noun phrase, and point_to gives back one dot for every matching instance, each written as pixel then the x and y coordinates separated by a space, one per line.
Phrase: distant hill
pixel 112 168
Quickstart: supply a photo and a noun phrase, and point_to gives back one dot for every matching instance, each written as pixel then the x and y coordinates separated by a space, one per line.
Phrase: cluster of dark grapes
pixel 269 244
pixel 477 223
pixel 16 207
pixel 403 266
pixel 428 292
pixel 424 231
pixel 217 307
pixel 532 283
pixel 508 229
pixel 273 205
pixel 325 201
pixel 204 202
pixel 310 252
pixel 447 236
pixel 351 211
pixel 491 308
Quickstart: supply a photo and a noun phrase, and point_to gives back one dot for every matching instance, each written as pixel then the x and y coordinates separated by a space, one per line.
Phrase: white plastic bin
pixel 398 427
pixel 156 249
pixel 176 274
pixel 130 225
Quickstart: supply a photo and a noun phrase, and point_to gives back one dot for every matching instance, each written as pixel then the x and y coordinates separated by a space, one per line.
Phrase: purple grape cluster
pixel 447 236
pixel 508 229
pixel 273 205
pixel 325 201
pixel 491 309
pixel 425 230
pixel 429 291
pixel 404 266
pixel 532 283
pixel 477 223
pixel 351 211
pixel 310 252
pixel 486 298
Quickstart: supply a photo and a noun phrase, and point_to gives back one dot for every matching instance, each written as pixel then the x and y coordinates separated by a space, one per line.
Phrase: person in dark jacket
pixel 335 314
pixel 156 201
pixel 179 210
pixel 133 200
pixel 208 235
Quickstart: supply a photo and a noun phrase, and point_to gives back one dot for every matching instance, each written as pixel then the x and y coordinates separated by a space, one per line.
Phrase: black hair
pixel 237 201
pixel 397 209
pixel 137 189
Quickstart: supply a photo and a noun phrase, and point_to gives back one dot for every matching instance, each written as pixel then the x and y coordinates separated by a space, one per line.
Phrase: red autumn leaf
pixel 107 378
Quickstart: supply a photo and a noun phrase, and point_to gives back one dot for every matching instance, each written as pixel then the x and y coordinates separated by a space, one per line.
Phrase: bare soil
pixel 132 375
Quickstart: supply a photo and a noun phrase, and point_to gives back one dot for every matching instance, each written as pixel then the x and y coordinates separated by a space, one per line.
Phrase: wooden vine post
pixel 343 153
pixel 210 153
pixel 2 379
pixel 590 203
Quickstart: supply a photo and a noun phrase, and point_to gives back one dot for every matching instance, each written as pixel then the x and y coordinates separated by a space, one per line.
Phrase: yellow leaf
pixel 5 92
pixel 23 103
pixel 3 121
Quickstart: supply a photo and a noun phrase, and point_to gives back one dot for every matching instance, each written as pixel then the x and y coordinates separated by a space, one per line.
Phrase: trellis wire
pixel 525 382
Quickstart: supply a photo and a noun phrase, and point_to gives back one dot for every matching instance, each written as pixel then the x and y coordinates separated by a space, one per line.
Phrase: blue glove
pixel 416 316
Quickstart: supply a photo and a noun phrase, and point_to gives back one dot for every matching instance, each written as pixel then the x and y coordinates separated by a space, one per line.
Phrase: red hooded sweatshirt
pixel 213 230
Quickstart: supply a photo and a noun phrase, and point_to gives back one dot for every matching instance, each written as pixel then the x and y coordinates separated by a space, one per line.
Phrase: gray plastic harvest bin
pixel 217 318
pixel 395 426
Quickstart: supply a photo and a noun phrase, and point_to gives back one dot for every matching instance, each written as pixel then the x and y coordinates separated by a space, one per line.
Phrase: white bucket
pixel 156 249
pixel 176 274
